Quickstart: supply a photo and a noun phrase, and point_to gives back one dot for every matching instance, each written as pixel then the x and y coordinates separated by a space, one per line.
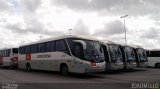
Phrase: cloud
pixel 80 28
pixel 116 7
pixel 34 27
pixel 28 6
pixel 4 6
pixel 111 28
pixel 152 33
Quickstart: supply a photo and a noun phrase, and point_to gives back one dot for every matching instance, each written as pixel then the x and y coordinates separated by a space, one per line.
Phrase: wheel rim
pixel 1 65
pixel 158 65
pixel 28 68
pixel 64 70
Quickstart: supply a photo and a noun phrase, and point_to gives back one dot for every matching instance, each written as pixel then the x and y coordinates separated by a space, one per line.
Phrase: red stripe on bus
pixel 28 56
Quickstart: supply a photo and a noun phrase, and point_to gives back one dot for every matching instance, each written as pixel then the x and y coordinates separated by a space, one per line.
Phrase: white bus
pixel 75 54
pixel 113 56
pixel 154 58
pixel 129 57
pixel 141 56
pixel 9 57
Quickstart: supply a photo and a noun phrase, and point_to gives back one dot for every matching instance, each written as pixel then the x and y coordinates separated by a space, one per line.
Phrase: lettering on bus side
pixel 44 56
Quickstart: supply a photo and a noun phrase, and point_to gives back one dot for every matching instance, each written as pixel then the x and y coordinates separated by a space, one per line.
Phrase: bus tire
pixel 64 69
pixel 1 66
pixel 157 65
pixel 15 67
pixel 28 67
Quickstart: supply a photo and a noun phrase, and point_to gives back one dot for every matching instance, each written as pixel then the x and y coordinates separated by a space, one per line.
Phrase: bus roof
pixel 7 48
pixel 109 42
pixel 136 46
pixel 62 37
pixel 154 50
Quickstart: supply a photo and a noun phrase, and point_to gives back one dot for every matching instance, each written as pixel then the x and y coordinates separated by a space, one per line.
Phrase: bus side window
pixel 78 50
pixel 5 53
pixel 21 50
pixel 154 54
pixel 41 47
pixel 61 46
pixel 27 49
pixel 8 52
pixel 2 53
pixel 33 48
pixel 50 46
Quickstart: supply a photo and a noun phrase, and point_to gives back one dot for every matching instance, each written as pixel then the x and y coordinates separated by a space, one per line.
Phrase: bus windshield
pixel 142 55
pixel 93 51
pixel 130 54
pixel 116 55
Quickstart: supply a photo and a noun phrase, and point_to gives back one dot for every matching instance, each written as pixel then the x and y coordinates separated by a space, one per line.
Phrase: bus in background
pixel 129 57
pixel 75 54
pixel 154 58
pixel 9 58
pixel 141 56
pixel 113 56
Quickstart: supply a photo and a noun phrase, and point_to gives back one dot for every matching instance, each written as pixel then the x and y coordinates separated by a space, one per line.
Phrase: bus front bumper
pixel 10 64
pixel 131 65
pixel 114 66
pixel 97 68
pixel 143 65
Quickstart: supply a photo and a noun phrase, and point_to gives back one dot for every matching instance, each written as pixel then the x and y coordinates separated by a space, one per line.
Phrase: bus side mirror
pixel 82 43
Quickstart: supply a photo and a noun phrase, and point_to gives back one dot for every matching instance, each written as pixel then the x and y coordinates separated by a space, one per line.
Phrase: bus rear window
pixel 15 50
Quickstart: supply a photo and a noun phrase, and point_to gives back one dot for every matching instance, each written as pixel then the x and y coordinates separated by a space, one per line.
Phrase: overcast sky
pixel 23 21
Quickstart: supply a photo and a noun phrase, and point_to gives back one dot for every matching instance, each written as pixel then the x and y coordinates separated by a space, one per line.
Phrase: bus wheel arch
pixel 64 69
pixel 28 67
pixel 1 66
pixel 157 65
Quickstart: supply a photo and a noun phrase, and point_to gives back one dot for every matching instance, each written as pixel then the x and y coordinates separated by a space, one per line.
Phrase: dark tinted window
pixel 21 50
pixel 41 47
pixel 50 46
pixel 78 50
pixel 15 50
pixel 33 48
pixel 2 53
pixel 8 52
pixel 154 54
pixel 61 46
pixel 27 49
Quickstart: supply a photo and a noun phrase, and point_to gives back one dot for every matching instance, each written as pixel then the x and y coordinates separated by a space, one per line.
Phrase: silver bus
pixel 129 57
pixel 154 58
pixel 113 56
pixel 75 54
pixel 141 56
pixel 9 57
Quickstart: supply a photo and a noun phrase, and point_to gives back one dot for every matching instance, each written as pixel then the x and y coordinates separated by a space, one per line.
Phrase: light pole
pixel 70 31
pixel 40 37
pixel 124 27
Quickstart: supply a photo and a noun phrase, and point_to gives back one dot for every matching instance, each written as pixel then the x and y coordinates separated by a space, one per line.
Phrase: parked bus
pixel 141 56
pixel 154 58
pixel 75 54
pixel 129 57
pixel 9 57
pixel 113 56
